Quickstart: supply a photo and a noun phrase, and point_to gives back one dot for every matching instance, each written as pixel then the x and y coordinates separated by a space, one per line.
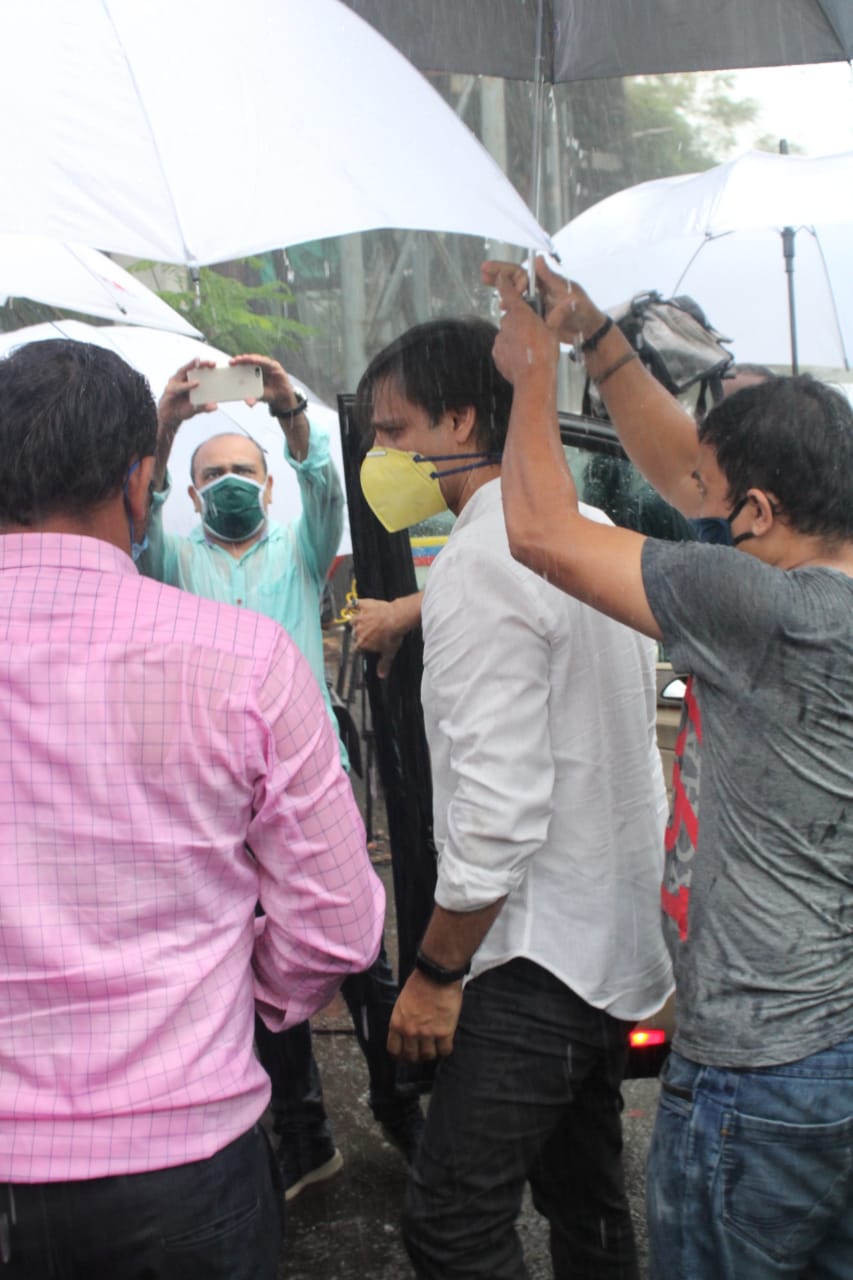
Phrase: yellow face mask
pixel 400 489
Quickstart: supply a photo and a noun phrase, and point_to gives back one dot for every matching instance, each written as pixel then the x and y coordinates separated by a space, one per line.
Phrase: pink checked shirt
pixel 146 738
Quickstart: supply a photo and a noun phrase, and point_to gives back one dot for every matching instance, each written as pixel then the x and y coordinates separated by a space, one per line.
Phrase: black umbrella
pixel 595 39
pixel 556 41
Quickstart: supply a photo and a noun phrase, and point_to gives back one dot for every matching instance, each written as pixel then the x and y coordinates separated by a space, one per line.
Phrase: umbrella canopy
pixel 578 40
pixel 196 132
pixel 721 237
pixel 76 278
pixel 555 41
pixel 158 354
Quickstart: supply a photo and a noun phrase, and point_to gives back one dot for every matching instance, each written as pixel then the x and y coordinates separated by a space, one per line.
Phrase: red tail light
pixel 645 1037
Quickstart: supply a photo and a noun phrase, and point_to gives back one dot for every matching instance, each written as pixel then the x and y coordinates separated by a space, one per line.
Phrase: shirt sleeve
pixel 160 559
pixel 324 904
pixel 487 662
pixel 702 598
pixel 320 524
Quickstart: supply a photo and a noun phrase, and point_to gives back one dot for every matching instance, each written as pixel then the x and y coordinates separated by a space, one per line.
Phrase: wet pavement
pixel 348 1227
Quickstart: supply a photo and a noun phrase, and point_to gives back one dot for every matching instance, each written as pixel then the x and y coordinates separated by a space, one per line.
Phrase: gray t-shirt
pixel 758 887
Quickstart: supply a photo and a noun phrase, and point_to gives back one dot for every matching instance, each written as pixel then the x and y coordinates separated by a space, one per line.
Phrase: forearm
pixel 167 429
pixel 598 564
pixel 296 429
pixel 426 1014
pixel 321 521
pixel 656 432
pixel 537 485
pixel 406 613
pixel 452 937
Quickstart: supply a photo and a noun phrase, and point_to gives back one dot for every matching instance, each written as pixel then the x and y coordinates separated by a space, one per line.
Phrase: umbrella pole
pixel 538 96
pixel 788 234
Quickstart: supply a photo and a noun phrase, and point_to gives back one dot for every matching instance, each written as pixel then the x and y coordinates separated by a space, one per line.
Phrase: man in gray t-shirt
pixel 751 1165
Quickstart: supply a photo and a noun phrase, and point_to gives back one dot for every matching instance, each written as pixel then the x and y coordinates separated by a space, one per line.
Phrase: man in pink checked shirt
pixel 165 764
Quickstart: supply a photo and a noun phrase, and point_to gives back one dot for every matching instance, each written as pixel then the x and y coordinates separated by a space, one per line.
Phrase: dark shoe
pixel 306 1163
pixel 403 1129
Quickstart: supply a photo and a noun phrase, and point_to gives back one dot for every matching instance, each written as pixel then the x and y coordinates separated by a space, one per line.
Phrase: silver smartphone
pixel 233 382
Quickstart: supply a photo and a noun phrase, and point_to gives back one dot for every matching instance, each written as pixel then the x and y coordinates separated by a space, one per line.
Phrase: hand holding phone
pixel 233 382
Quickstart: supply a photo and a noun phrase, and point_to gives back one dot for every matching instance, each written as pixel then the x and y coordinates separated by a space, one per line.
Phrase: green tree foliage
pixel 682 123
pixel 238 316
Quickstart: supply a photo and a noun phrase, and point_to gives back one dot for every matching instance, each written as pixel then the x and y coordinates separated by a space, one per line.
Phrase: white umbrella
pixel 721 237
pixel 158 354
pixel 196 131
pixel 76 278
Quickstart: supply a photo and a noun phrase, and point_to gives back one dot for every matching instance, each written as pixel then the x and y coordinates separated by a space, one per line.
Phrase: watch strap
pixel 300 407
pixel 438 972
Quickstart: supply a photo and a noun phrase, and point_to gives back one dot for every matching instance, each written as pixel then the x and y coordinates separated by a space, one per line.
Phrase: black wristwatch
pixel 437 972
pixel 300 407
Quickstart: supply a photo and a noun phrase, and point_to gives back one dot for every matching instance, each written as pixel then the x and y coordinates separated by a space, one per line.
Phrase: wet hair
pixel 260 448
pixel 793 438
pixel 441 366
pixel 73 419
pixel 749 370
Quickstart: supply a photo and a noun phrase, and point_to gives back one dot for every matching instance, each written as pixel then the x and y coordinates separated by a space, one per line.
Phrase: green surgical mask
pixel 233 508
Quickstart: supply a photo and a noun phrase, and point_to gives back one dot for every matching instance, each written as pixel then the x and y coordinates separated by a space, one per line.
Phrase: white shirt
pixel 547 781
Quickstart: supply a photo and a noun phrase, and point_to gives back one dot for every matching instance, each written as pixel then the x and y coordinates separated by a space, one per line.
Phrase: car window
pixel 604 478
pixel 614 485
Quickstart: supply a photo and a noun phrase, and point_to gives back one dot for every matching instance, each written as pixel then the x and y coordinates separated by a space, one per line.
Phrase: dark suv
pixel 390 565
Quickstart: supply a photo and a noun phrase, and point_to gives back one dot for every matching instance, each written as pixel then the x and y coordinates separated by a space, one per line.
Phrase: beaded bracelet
pixel 616 366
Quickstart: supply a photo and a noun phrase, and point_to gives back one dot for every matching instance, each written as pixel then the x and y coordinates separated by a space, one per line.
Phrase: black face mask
pixel 718 529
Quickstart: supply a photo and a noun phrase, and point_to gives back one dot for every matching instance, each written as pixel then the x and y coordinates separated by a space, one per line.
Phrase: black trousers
pixel 531 1092
pixel 215 1219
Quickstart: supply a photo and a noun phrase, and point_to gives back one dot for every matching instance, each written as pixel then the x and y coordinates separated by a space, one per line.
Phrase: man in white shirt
pixel 549 807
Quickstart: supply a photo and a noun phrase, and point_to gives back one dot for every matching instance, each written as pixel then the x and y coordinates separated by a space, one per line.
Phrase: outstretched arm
pixel 173 409
pixel 599 564
pixel 380 625
pixel 282 398
pixel 657 433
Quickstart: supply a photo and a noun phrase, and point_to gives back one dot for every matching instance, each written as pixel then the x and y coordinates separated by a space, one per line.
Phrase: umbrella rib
pixel 828 279
pixel 188 257
pixel 98 279
pixel 694 255
pixel 836 31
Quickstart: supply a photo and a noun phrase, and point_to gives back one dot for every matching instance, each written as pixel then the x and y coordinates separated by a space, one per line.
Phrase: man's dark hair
pixel 73 418
pixel 749 370
pixel 791 437
pixel 440 366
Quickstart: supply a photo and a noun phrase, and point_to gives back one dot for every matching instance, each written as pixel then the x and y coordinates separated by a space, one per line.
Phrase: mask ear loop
pixel 136 548
pixel 489 459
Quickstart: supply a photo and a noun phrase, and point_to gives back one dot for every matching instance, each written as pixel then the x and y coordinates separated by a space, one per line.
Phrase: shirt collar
pixel 62 551
pixel 481 499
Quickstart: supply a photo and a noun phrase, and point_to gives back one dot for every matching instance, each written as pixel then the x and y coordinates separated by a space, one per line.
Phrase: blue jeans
pixel 530 1092
pixel 750 1173
pixel 215 1219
